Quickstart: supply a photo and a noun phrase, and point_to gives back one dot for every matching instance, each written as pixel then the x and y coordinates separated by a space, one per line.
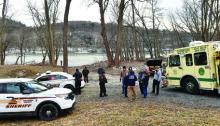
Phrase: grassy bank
pixel 26 70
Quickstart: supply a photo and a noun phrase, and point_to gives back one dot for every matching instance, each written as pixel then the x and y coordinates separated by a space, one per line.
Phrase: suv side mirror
pixel 26 92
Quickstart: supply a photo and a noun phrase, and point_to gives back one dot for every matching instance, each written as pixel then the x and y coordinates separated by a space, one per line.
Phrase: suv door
pixel 14 100
pixel 3 98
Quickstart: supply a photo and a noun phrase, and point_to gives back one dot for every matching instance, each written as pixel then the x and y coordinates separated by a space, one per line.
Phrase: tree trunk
pixel 2 42
pixel 136 46
pixel 49 36
pixel 65 37
pixel 119 32
pixel 21 52
pixel 103 33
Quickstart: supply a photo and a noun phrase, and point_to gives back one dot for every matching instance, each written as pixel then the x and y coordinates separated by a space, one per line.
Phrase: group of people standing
pixel 85 72
pixel 128 79
pixel 78 79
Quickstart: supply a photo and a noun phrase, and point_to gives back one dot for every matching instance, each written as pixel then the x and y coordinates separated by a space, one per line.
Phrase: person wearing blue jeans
pixel 123 74
pixel 145 84
pixel 140 79
pixel 156 81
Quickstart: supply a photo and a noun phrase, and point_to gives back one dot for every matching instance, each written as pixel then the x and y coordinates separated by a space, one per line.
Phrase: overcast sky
pixel 79 10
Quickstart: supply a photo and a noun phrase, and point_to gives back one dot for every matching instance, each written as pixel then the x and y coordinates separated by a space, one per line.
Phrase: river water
pixel 74 59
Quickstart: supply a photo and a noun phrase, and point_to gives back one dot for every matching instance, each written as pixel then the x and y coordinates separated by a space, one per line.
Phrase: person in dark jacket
pixel 85 73
pixel 100 71
pixel 145 83
pixel 131 78
pixel 140 80
pixel 102 81
pixel 78 79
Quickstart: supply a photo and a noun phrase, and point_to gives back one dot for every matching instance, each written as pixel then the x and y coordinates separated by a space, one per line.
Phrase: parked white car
pixel 58 79
pixel 23 96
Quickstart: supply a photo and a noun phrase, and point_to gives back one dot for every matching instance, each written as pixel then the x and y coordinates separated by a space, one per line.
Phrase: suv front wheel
pixel 48 112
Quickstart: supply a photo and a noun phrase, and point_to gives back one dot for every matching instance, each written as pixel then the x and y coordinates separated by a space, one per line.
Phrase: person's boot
pixel 100 95
pixel 105 95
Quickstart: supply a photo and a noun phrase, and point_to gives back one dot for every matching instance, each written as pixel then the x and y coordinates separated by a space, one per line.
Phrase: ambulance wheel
pixel 191 86
pixel 48 112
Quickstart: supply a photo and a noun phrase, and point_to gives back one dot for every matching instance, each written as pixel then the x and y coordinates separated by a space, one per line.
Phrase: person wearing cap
pixel 131 78
pixel 157 80
pixel 78 79
pixel 123 74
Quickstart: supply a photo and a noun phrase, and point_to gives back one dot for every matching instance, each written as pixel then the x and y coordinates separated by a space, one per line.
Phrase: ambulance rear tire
pixel 191 86
pixel 48 112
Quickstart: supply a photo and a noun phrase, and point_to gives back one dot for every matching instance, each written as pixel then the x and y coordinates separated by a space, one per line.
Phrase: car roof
pixel 14 80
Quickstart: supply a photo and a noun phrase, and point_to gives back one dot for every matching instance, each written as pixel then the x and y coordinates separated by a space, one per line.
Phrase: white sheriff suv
pixel 27 97
pixel 58 79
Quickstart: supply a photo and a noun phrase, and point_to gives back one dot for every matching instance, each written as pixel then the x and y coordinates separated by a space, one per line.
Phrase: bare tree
pixel 103 4
pixel 3 43
pixel 119 32
pixel 21 42
pixel 65 36
pixel 199 18
pixel 41 29
pixel 136 44
pixel 49 34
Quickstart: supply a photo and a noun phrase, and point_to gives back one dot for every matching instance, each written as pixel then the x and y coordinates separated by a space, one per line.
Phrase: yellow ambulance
pixel 196 67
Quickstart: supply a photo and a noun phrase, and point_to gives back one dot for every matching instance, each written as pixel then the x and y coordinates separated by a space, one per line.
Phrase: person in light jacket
pixel 157 80
pixel 123 74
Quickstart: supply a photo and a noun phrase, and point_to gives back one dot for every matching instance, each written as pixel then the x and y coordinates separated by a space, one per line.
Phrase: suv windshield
pixel 36 86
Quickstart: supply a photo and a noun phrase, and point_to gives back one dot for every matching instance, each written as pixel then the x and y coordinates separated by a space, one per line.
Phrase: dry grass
pixel 7 71
pixel 29 70
pixel 128 114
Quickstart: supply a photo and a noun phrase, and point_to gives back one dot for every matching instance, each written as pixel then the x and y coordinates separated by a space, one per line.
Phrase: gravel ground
pixel 167 95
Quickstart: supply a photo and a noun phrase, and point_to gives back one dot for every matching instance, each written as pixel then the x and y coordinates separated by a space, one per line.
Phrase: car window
pixel 174 60
pixel 52 77
pixel 35 86
pixel 189 61
pixel 13 88
pixel 2 88
pixel 43 78
pixel 59 77
pixel 24 87
pixel 200 58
